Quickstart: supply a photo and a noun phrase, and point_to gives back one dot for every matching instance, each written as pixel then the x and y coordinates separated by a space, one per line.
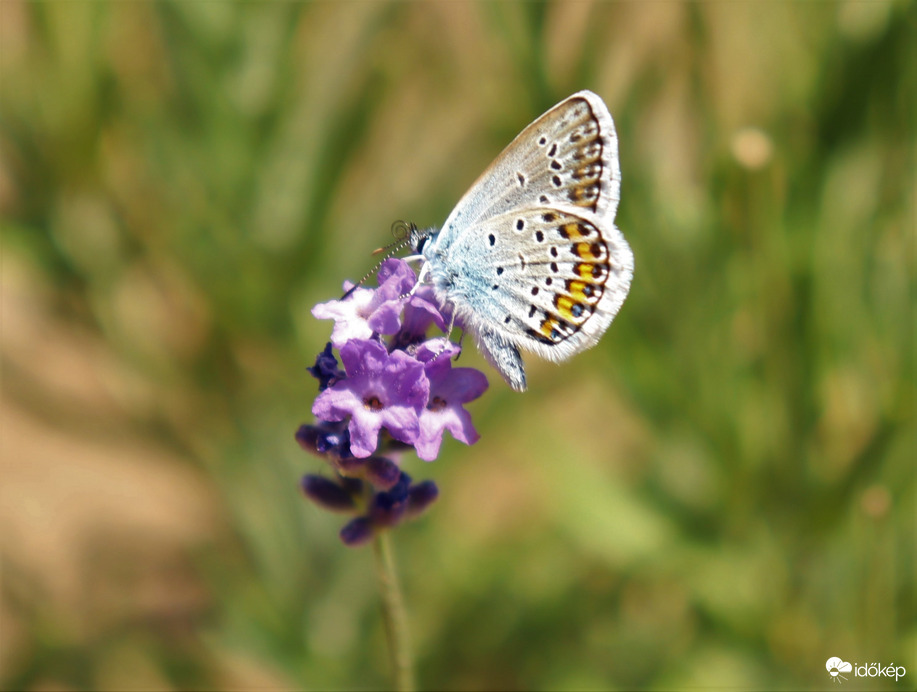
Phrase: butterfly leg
pixel 460 342
pixel 446 337
pixel 449 334
pixel 421 278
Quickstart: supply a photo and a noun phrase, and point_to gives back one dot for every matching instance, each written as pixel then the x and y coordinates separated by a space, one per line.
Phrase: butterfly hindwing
pixel 552 282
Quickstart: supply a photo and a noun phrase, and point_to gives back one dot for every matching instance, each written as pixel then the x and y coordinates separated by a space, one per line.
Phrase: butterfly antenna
pixel 402 230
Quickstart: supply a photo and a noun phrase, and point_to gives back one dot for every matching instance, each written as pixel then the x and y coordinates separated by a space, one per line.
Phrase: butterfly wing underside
pixel 530 257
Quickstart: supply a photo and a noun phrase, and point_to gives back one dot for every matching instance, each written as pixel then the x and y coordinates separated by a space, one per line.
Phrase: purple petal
pixel 364 432
pixel 460 385
pixel 437 353
pixel 434 423
pixel 396 278
pixel 422 309
pixel 429 440
pixel 386 319
pixel 458 422
pixel 336 403
pixel 401 422
pixel 410 384
pixel 349 316
pixel 449 390
pixel 361 356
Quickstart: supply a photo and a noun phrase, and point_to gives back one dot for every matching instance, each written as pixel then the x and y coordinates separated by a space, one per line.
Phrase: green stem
pixel 396 630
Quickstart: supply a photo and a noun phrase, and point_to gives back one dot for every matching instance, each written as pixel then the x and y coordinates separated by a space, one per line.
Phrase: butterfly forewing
pixel 568 156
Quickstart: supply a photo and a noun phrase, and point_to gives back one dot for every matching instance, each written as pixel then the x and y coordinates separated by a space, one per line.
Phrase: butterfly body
pixel 530 257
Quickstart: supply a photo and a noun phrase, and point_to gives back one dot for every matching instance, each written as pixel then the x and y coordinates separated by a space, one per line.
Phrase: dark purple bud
pixel 382 473
pixel 334 440
pixel 421 496
pixel 357 532
pixel 326 493
pixel 324 439
pixel 326 369
pixel 386 510
pixel 307 437
pixel 399 491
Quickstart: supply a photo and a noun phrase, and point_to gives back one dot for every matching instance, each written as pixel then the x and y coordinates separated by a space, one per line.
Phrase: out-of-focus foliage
pixel 720 494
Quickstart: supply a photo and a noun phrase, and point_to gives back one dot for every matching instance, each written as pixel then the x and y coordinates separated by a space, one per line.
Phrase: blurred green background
pixel 720 494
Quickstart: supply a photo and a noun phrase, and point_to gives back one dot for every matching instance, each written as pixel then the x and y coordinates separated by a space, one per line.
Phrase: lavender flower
pixel 365 312
pixel 381 389
pixel 392 394
pixel 449 389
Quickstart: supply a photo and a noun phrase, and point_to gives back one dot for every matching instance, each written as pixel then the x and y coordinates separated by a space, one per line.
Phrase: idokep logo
pixel 836 667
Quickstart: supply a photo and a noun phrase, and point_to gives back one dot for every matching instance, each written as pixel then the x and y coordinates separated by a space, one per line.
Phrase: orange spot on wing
pixel 565 305
pixel 549 328
pixel 570 309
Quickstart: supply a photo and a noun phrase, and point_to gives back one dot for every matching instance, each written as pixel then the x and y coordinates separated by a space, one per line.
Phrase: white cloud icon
pixel 836 666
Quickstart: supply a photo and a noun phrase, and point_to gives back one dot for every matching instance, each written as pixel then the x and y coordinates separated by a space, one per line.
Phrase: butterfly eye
pixel 418 240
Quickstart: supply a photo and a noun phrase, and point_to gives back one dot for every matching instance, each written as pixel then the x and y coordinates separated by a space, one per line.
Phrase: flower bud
pixel 385 510
pixel 420 496
pixel 307 437
pixel 326 493
pixel 382 473
pixel 326 369
pixel 351 467
pixel 357 532
pixel 324 439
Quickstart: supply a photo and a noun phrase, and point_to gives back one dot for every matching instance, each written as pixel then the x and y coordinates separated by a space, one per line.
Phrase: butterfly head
pixel 419 238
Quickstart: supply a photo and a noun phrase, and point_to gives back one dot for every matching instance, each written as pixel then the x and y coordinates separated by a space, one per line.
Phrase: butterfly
pixel 530 257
